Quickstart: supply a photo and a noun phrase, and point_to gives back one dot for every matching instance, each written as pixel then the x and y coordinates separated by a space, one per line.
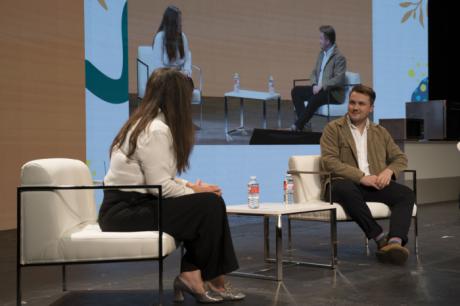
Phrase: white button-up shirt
pixel 326 56
pixel 361 145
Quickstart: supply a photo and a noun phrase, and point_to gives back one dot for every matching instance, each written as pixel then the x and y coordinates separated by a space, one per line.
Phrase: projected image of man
pixel 327 81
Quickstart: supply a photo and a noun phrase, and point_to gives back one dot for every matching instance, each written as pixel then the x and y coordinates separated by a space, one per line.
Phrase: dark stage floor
pixel 431 279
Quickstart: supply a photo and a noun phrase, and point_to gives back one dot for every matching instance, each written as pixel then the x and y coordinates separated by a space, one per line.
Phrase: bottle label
pixel 253 189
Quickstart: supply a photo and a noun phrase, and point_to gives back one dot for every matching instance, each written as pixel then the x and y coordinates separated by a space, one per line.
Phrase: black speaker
pixel 275 137
pixel 441 118
pixel 403 128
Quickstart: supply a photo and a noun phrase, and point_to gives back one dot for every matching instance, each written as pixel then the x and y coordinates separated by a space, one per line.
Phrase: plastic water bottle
pixel 271 85
pixel 236 82
pixel 288 187
pixel 253 193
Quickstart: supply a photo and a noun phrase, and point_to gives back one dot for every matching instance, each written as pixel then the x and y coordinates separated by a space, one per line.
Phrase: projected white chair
pixel 334 110
pixel 57 222
pixel 307 189
pixel 145 69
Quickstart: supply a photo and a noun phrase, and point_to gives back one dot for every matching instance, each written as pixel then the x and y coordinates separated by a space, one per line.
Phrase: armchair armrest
pixel 329 174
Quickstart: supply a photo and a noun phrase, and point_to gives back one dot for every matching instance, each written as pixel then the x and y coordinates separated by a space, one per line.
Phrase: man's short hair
pixel 365 90
pixel 328 32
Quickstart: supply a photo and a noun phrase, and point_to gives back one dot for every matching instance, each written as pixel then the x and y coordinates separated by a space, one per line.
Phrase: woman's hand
pixel 200 186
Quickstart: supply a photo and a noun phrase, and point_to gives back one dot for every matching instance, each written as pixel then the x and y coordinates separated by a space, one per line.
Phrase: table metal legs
pixel 279 113
pixel 278 260
pixel 264 113
pixel 279 249
pixel 241 129
pixel 333 243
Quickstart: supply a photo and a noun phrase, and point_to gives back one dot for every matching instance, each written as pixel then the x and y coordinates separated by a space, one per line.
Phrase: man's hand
pixel 317 89
pixel 370 181
pixel 201 186
pixel 384 178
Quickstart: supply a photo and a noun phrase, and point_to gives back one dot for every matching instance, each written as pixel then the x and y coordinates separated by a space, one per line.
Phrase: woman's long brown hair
pixel 170 91
pixel 171 24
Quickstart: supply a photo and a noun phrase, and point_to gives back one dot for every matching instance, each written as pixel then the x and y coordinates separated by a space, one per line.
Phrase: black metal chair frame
pixel 19 265
pixel 137 73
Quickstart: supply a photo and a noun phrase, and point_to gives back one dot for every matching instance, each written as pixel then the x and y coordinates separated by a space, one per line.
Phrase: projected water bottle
pixel 271 85
pixel 236 82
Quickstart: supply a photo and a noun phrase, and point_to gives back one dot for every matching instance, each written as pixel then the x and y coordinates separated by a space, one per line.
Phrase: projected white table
pixel 243 94
pixel 278 210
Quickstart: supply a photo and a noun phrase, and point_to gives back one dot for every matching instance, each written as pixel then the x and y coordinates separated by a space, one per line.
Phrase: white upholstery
pixel 336 110
pixel 307 189
pixel 145 54
pixel 145 57
pixel 61 225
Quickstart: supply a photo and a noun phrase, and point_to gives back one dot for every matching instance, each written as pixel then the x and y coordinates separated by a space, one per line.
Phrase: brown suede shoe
pixel 393 253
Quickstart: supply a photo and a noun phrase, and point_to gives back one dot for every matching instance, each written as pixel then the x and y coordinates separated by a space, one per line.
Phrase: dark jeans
pixel 353 198
pixel 199 220
pixel 299 95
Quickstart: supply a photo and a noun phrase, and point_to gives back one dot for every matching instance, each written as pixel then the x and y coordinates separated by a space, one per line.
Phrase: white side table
pixel 278 210
pixel 252 95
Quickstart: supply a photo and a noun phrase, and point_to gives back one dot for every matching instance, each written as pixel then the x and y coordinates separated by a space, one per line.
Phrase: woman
pixel 150 148
pixel 170 45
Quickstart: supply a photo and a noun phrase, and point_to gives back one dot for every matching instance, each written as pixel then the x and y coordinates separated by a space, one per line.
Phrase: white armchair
pixel 307 189
pixel 335 110
pixel 57 222
pixel 145 69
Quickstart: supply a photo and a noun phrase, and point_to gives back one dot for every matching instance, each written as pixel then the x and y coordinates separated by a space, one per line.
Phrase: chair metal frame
pixel 141 62
pixel 200 88
pixel 49 188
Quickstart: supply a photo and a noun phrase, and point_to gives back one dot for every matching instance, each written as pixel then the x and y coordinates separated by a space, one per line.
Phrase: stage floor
pixel 431 279
pixel 212 128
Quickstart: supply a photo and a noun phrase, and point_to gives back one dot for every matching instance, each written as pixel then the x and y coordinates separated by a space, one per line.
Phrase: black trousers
pixel 299 95
pixel 353 199
pixel 199 220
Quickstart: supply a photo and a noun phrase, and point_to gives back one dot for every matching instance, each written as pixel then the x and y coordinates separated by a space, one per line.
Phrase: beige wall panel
pixel 42 89
pixel 258 38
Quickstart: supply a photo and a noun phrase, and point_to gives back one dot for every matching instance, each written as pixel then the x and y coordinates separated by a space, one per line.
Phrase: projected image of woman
pixel 170 45
pixel 151 148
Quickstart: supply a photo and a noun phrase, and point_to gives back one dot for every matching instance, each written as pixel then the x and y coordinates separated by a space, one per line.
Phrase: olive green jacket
pixel 339 156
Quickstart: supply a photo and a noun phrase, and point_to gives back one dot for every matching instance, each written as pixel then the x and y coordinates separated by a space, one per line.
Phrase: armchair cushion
pixel 90 243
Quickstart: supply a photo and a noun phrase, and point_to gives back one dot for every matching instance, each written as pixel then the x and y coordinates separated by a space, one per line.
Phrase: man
pixel 327 79
pixel 363 158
